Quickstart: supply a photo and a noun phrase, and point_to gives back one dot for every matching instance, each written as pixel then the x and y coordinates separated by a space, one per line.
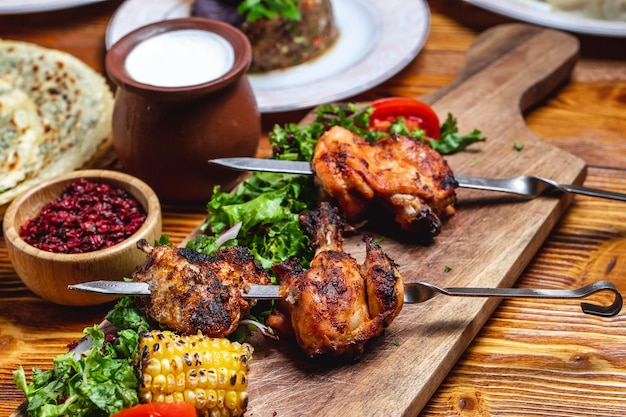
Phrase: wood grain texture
pixel 530 359
pixel 543 358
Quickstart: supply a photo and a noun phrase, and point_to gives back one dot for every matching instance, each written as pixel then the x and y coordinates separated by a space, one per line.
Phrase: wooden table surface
pixel 531 358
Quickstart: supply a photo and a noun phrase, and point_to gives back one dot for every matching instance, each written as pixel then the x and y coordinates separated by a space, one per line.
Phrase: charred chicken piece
pixel 191 291
pixel 408 177
pixel 336 306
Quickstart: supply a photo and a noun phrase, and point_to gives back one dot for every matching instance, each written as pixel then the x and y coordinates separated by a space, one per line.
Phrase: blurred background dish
pixel 36 6
pixel 541 13
pixel 378 38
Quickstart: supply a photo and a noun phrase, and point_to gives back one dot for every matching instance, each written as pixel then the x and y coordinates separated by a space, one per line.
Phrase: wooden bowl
pixel 48 274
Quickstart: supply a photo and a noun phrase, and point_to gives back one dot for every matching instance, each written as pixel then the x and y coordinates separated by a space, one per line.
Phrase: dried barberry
pixel 88 216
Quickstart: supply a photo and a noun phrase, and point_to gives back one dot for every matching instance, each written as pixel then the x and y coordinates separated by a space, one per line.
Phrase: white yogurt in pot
pixel 180 58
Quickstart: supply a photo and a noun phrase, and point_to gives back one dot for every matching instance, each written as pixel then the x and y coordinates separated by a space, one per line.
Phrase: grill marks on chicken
pixel 191 291
pixel 402 174
pixel 333 308
pixel 336 306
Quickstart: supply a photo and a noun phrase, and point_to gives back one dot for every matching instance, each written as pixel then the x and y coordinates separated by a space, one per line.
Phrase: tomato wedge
pixel 180 409
pixel 417 114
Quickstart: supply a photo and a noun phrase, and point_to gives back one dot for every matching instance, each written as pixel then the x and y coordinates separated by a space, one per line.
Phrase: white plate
pixel 541 13
pixel 35 6
pixel 378 38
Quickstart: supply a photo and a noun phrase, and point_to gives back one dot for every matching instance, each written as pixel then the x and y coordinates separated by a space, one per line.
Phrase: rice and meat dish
pixel 280 41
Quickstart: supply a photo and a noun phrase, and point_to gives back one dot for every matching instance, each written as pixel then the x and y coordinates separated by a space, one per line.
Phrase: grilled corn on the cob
pixel 211 373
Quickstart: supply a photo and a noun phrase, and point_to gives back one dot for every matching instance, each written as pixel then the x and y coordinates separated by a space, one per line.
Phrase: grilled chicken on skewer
pixel 336 306
pixel 333 308
pixel 404 175
pixel 190 291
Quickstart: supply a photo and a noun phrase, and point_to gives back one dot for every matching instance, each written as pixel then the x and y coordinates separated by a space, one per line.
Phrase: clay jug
pixel 165 135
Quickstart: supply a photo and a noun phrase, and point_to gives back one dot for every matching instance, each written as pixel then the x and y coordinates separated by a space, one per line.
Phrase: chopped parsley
pixel 266 9
pixel 450 140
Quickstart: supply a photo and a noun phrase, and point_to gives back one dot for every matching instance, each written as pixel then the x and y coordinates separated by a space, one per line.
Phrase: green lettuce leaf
pixel 98 382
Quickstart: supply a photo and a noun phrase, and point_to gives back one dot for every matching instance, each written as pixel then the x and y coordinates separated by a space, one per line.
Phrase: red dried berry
pixel 88 216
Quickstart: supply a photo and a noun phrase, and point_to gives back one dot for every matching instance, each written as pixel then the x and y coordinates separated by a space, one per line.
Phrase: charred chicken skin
pixel 191 291
pixel 337 305
pixel 406 176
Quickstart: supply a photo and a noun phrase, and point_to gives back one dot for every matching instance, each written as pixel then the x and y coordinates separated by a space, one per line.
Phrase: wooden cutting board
pixel 487 243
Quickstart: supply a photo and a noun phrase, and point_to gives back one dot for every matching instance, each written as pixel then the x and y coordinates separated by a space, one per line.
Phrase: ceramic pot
pixel 166 135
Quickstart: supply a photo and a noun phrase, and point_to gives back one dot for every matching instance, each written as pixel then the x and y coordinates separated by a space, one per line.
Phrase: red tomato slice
pixel 180 409
pixel 416 114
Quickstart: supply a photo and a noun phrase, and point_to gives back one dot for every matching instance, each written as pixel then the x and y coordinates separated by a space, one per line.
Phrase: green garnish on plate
pixel 266 9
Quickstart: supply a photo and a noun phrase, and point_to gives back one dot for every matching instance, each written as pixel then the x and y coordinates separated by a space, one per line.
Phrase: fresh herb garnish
pixel 450 140
pixel 99 382
pixel 268 206
pixel 296 143
pixel 266 9
pixel 125 315
pixel 398 127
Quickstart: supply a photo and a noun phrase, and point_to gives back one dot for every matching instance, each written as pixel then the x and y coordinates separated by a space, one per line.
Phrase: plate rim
pixel 314 95
pixel 530 11
pixel 44 6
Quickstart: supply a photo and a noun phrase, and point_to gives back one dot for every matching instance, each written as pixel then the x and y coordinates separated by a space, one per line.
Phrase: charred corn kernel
pixel 210 373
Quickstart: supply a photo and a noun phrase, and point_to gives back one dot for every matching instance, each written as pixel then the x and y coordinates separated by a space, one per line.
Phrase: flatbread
pixel 21 134
pixel 74 105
